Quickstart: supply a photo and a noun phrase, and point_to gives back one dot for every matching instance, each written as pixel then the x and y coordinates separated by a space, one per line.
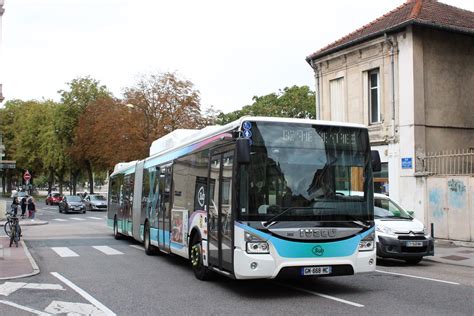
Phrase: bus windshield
pixel 306 172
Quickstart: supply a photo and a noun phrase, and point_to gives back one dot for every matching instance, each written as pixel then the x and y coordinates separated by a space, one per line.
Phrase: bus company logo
pixel 318 250
pixel 201 196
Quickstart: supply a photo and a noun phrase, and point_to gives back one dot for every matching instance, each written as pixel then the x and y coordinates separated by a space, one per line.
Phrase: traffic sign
pixel 27 176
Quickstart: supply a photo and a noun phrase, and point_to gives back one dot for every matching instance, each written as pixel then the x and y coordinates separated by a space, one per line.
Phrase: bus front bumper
pixel 266 266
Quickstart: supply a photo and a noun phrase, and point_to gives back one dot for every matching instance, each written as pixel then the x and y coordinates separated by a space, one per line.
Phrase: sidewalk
pixel 455 253
pixel 17 262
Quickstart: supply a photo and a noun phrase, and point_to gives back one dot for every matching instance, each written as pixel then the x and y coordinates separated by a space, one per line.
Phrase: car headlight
pixel 368 243
pixel 255 244
pixel 384 229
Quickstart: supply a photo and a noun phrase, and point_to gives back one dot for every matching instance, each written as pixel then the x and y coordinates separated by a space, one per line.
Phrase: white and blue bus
pixel 256 198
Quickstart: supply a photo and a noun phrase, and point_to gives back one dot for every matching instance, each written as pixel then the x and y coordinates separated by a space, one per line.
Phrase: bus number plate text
pixel 316 270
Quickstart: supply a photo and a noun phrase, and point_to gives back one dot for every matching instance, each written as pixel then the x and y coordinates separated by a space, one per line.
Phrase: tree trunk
pixel 91 177
pixel 50 179
pixel 61 180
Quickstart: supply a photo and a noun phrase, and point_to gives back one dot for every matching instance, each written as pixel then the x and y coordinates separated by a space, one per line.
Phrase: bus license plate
pixel 414 244
pixel 316 270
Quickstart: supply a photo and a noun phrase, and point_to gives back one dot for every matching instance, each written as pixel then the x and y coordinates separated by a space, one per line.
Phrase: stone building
pixel 408 76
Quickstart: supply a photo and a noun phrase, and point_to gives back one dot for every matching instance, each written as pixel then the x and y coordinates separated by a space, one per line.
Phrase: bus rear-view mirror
pixel 243 151
pixel 376 163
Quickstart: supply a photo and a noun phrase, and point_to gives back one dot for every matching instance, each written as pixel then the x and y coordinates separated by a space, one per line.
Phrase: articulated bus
pixel 257 198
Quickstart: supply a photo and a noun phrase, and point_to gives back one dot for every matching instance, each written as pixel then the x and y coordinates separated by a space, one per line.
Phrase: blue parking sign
pixel 407 163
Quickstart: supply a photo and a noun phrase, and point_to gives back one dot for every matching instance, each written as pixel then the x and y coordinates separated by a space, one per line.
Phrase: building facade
pixel 408 76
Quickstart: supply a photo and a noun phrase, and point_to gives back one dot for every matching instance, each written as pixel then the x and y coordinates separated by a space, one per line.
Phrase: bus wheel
pixel 200 271
pixel 149 248
pixel 116 232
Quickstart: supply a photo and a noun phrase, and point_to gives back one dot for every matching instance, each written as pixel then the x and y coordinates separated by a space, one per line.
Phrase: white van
pixel 398 234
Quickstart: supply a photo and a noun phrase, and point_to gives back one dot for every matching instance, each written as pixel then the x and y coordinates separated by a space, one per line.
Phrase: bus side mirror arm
pixel 243 151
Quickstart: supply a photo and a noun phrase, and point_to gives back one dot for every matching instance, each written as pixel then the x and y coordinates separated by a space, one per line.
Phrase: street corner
pixel 16 262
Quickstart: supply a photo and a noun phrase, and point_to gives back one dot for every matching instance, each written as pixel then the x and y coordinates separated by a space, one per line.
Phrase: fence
pixel 446 163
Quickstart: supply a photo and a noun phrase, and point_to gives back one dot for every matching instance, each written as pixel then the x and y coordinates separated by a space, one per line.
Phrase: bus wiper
pixel 271 221
pixel 358 222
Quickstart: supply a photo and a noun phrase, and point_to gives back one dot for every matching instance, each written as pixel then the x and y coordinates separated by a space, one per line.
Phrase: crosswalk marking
pixel 108 250
pixel 92 217
pixel 59 219
pixel 64 252
pixel 77 219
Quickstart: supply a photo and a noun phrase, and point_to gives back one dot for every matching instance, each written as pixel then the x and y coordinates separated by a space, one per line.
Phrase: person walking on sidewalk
pixel 23 206
pixel 14 205
pixel 31 207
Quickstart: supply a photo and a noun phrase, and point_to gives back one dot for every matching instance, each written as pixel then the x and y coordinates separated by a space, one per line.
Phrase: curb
pixel 35 267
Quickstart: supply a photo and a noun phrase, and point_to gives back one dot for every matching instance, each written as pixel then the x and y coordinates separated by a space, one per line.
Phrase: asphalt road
pixel 85 270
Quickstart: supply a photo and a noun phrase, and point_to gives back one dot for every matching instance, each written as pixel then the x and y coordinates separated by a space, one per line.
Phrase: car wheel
pixel 200 271
pixel 414 260
pixel 84 212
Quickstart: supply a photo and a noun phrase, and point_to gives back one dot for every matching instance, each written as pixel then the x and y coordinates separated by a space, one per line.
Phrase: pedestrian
pixel 23 206
pixel 31 207
pixel 14 206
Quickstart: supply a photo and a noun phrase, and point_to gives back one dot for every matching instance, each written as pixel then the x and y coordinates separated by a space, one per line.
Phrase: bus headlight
pixel 255 244
pixel 368 243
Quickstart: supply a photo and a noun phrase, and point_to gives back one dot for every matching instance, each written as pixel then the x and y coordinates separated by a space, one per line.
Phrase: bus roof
pixel 183 138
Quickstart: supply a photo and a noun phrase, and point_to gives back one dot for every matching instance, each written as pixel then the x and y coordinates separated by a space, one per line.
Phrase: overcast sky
pixel 230 50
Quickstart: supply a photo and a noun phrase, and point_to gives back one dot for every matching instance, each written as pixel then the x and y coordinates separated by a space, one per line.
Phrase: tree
pixel 296 102
pixel 81 92
pixel 165 102
pixel 108 132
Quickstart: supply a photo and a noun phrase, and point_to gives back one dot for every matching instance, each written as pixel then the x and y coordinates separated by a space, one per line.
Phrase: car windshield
pixel 74 198
pixel 307 172
pixel 56 195
pixel 385 208
pixel 21 194
pixel 97 198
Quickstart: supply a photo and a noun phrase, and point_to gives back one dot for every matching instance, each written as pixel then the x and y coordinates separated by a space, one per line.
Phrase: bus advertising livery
pixel 256 198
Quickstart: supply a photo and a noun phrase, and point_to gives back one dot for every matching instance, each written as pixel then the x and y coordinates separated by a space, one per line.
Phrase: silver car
pixel 95 202
pixel 71 203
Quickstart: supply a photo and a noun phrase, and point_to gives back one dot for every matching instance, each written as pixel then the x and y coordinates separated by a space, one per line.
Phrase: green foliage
pixel 295 102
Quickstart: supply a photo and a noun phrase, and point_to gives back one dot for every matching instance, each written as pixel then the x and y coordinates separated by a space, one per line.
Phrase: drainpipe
pixel 392 70
pixel 318 89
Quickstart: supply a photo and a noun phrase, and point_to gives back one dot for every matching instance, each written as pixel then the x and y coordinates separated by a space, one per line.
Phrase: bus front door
pixel 164 208
pixel 220 226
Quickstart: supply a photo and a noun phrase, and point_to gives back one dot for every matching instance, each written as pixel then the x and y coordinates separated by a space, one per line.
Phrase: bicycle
pixel 12 228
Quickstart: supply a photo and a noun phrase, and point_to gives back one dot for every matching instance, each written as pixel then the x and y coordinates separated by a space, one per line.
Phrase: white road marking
pixel 8 288
pixel 92 217
pixel 108 250
pixel 44 286
pixel 418 277
pixel 67 308
pixel 64 252
pixel 77 219
pixel 84 294
pixel 322 295
pixel 25 308
pixel 59 219
pixel 137 247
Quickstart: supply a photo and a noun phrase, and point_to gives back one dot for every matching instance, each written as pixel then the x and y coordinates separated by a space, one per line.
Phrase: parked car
pixel 95 202
pixel 53 199
pixel 71 203
pixel 398 234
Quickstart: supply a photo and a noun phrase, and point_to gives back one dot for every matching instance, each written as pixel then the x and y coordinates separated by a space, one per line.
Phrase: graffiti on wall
pixel 435 201
pixel 456 194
